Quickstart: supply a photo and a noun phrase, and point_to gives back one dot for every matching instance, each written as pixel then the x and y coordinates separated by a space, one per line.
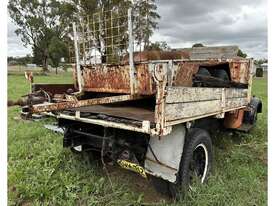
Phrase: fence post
pixel 131 51
pixel 77 59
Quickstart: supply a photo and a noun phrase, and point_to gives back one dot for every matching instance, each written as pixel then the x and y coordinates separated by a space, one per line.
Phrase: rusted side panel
pixel 239 71
pixel 116 79
pixel 106 79
pixel 184 72
pixel 145 82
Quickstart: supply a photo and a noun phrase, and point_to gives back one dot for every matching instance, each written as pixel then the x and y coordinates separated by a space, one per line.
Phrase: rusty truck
pixel 151 111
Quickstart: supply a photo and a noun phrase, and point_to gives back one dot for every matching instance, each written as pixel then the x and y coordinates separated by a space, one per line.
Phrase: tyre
pixel 204 71
pixel 221 74
pixel 195 165
pixel 197 157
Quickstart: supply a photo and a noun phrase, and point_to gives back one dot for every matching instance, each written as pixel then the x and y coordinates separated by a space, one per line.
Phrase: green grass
pixel 41 172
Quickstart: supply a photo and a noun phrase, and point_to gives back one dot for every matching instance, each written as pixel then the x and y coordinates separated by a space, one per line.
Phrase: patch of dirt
pixel 138 184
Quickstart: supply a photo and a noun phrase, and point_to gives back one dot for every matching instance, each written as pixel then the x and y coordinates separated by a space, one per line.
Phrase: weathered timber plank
pixel 227 52
pixel 235 93
pixel 195 94
pixel 236 102
pixel 200 108
pixel 192 94
pixel 186 110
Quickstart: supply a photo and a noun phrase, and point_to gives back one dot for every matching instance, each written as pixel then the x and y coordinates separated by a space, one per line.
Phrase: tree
pixel 241 54
pixel 158 45
pixel 39 21
pixel 20 60
pixel 259 62
pixel 57 50
pixel 198 45
pixel 147 20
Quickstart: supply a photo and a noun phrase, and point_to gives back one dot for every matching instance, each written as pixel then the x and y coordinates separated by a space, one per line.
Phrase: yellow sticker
pixel 133 167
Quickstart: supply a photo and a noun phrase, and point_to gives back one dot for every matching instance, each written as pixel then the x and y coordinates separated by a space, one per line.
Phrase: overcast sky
pixel 211 22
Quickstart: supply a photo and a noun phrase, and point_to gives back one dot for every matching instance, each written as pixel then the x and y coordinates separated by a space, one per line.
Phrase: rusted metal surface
pixel 161 80
pixel 47 107
pixel 54 88
pixel 146 56
pixel 184 73
pixel 116 79
pixel 128 112
pixel 239 71
pixel 234 119
pixel 145 82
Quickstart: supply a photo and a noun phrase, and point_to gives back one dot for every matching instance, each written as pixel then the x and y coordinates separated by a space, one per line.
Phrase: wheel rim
pixel 78 148
pixel 199 164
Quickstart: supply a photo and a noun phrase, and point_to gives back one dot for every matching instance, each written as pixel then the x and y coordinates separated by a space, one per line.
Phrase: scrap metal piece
pixel 54 128
pixel 47 107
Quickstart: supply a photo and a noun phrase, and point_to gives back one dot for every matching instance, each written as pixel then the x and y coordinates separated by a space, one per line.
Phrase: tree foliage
pixel 259 72
pixel 57 50
pixel 42 22
pixel 20 60
pixel 259 62
pixel 158 45
pixel 241 54
pixel 39 21
pixel 146 21
pixel 197 45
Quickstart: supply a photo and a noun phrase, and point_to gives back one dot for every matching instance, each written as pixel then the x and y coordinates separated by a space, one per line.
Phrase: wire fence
pixel 104 37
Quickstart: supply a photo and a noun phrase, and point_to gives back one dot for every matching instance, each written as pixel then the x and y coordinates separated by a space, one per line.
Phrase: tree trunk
pixel 45 61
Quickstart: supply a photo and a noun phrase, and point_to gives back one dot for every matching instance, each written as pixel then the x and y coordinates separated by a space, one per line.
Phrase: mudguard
pixel 164 154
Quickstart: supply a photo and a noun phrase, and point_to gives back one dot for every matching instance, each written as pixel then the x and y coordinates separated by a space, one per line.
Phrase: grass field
pixel 41 172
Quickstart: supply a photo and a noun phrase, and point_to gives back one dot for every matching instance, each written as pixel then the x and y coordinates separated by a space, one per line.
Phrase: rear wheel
pixel 195 165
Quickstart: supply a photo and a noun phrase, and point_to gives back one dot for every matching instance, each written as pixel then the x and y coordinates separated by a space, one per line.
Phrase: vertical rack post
pixel 77 59
pixel 131 50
